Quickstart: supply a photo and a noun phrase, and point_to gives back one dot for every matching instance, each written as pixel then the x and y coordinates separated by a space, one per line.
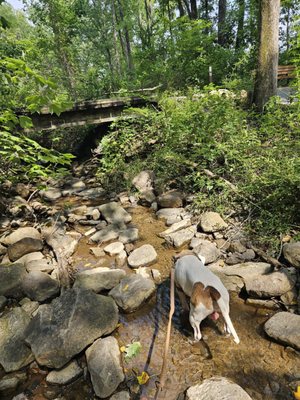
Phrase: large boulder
pixel 20 234
pixel 114 213
pixel 212 222
pixel 98 279
pixel 14 354
pixel 171 199
pixel 144 181
pixel 275 284
pixel 39 286
pixel 104 365
pixel 11 280
pixel 132 291
pixel 291 252
pixel 284 327
pixel 142 256
pixel 24 246
pixel 65 327
pixel 110 232
pixel 217 388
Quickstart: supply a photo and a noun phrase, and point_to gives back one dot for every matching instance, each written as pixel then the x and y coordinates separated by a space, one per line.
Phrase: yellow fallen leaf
pixel 122 349
pixel 125 288
pixel 297 394
pixel 143 378
pixel 87 264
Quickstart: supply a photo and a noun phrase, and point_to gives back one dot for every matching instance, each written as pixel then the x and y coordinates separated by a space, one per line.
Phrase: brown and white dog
pixel 207 294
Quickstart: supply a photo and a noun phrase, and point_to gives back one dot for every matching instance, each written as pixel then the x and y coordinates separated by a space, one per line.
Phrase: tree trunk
pixel 266 77
pixel 240 30
pixel 221 22
pixel 288 29
pixel 194 10
pixel 180 8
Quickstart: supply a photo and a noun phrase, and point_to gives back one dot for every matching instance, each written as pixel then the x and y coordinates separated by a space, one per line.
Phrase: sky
pixel 17 4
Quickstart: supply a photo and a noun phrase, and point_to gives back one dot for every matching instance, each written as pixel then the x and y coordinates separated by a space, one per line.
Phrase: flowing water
pixel 261 366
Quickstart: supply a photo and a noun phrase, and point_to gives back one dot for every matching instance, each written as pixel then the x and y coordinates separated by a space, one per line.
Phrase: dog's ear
pixel 197 293
pixel 213 292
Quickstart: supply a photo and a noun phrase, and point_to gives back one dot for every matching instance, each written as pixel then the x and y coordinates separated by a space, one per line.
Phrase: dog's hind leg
pixel 183 300
pixel 229 325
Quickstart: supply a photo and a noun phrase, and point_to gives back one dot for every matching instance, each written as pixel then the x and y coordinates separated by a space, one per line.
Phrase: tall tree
pixel 240 30
pixel 222 22
pixel 266 77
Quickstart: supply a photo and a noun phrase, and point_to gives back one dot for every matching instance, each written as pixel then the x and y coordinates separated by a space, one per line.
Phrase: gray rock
pixel 212 222
pixel 208 250
pixel 173 220
pixel 166 213
pixel 24 246
pixel 106 234
pixel 274 284
pixel 11 381
pixel 237 247
pixel 144 180
pixel 182 237
pixel 29 306
pixel 40 265
pixel 132 291
pixel 3 250
pixel 63 243
pixel 25 260
pixel 146 198
pixel 96 214
pixel 248 271
pixel 232 283
pixel 65 375
pixel 97 252
pixel 217 388
pixel 121 259
pixel 120 396
pixel 284 327
pixel 81 210
pixel 22 396
pixel 270 304
pixel 113 249
pixel 39 286
pixel 11 280
pixel 142 256
pixel 65 327
pixel 291 252
pixel 115 214
pixel 171 199
pixel 51 194
pixel 20 234
pixel 177 226
pixel 14 354
pixel 104 365
pixel 73 186
pixel 129 235
pixel 98 279
pixel 92 193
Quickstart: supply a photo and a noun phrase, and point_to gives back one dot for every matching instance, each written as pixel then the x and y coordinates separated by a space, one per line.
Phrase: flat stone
pixel 30 306
pixel 51 194
pixel 208 250
pixel 24 246
pixel 40 265
pixel 36 255
pixel 20 234
pixel 132 292
pixel 273 284
pixel 121 259
pixel 232 283
pixel 284 327
pixel 106 234
pixel 78 317
pixel 114 213
pixel 11 280
pixel 142 256
pixel 129 235
pixel 63 243
pixel 98 279
pixel 270 304
pixel 291 252
pixel 39 286
pixel 217 388
pixel 113 249
pixel 97 252
pixel 185 223
pixel 212 222
pixel 249 270
pixel 166 213
pixel 92 193
pixel 182 237
pixel 65 375
pixel 14 354
pixel 171 199
pixel 81 210
pixel 104 365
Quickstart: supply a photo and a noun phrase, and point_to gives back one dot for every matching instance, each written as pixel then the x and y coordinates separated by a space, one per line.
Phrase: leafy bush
pixel 210 131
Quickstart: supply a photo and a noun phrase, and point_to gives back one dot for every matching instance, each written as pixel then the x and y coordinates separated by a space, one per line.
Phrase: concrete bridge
pixel 94 112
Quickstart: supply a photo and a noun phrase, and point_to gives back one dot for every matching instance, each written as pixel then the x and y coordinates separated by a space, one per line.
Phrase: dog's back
pixel 189 270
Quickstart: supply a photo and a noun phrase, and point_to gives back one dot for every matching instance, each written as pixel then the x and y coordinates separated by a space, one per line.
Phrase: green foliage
pixel 132 350
pixel 210 131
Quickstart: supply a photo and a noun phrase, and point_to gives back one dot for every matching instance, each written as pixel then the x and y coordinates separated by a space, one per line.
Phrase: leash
pixel 162 376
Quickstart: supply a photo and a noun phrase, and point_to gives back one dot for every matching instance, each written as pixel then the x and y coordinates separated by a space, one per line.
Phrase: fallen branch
pixel 268 259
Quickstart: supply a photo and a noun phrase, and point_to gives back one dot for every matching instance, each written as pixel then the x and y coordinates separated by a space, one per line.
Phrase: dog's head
pixel 201 305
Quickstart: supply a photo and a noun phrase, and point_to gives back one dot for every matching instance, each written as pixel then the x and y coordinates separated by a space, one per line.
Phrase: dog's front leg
pixel 183 300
